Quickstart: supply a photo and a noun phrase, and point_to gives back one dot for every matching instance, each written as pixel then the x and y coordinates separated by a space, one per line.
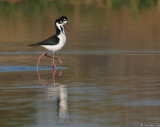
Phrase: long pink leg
pixel 38 64
pixel 59 60
pixel 38 75
pixel 40 58
pixel 48 56
pixel 53 64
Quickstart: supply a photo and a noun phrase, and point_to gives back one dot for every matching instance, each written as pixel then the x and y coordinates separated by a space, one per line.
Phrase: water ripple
pixel 126 52
pixel 25 68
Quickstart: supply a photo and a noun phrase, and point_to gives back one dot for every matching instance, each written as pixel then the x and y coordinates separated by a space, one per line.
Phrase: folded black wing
pixel 53 40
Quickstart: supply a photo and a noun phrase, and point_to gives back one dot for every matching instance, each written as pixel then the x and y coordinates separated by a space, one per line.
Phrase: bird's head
pixel 65 21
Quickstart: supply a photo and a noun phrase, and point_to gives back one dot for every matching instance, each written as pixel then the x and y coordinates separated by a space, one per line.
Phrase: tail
pixel 33 45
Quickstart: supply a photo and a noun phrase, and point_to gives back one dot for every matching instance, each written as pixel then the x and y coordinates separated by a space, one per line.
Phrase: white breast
pixel 54 48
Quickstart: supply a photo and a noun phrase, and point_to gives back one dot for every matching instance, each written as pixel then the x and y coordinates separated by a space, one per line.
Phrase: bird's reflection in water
pixel 57 91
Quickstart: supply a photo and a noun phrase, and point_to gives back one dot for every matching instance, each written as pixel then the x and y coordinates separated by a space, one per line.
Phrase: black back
pixel 53 40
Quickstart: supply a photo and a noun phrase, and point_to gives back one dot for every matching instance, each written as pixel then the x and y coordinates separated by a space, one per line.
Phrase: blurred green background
pixel 38 6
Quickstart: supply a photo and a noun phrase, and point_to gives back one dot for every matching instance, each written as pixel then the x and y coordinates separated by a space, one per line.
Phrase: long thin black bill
pixel 66 28
pixel 68 24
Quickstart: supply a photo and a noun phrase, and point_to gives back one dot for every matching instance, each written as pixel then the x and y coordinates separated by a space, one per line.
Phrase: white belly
pixel 54 48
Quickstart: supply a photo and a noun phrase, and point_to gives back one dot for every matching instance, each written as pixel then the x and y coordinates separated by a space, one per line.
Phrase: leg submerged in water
pixel 40 58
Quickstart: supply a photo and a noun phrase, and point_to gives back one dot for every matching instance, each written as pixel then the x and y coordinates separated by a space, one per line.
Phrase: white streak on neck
pixel 58 25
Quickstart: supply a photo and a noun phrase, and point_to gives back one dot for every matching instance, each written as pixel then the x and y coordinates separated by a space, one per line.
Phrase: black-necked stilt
pixel 55 42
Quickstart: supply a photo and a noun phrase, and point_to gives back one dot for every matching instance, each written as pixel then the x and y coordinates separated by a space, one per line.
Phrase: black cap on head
pixel 63 18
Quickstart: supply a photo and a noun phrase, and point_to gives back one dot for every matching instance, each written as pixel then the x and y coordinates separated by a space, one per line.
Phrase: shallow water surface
pixel 109 76
pixel 104 90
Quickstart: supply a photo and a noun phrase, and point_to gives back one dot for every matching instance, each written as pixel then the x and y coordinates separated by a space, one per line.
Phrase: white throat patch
pixel 60 27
